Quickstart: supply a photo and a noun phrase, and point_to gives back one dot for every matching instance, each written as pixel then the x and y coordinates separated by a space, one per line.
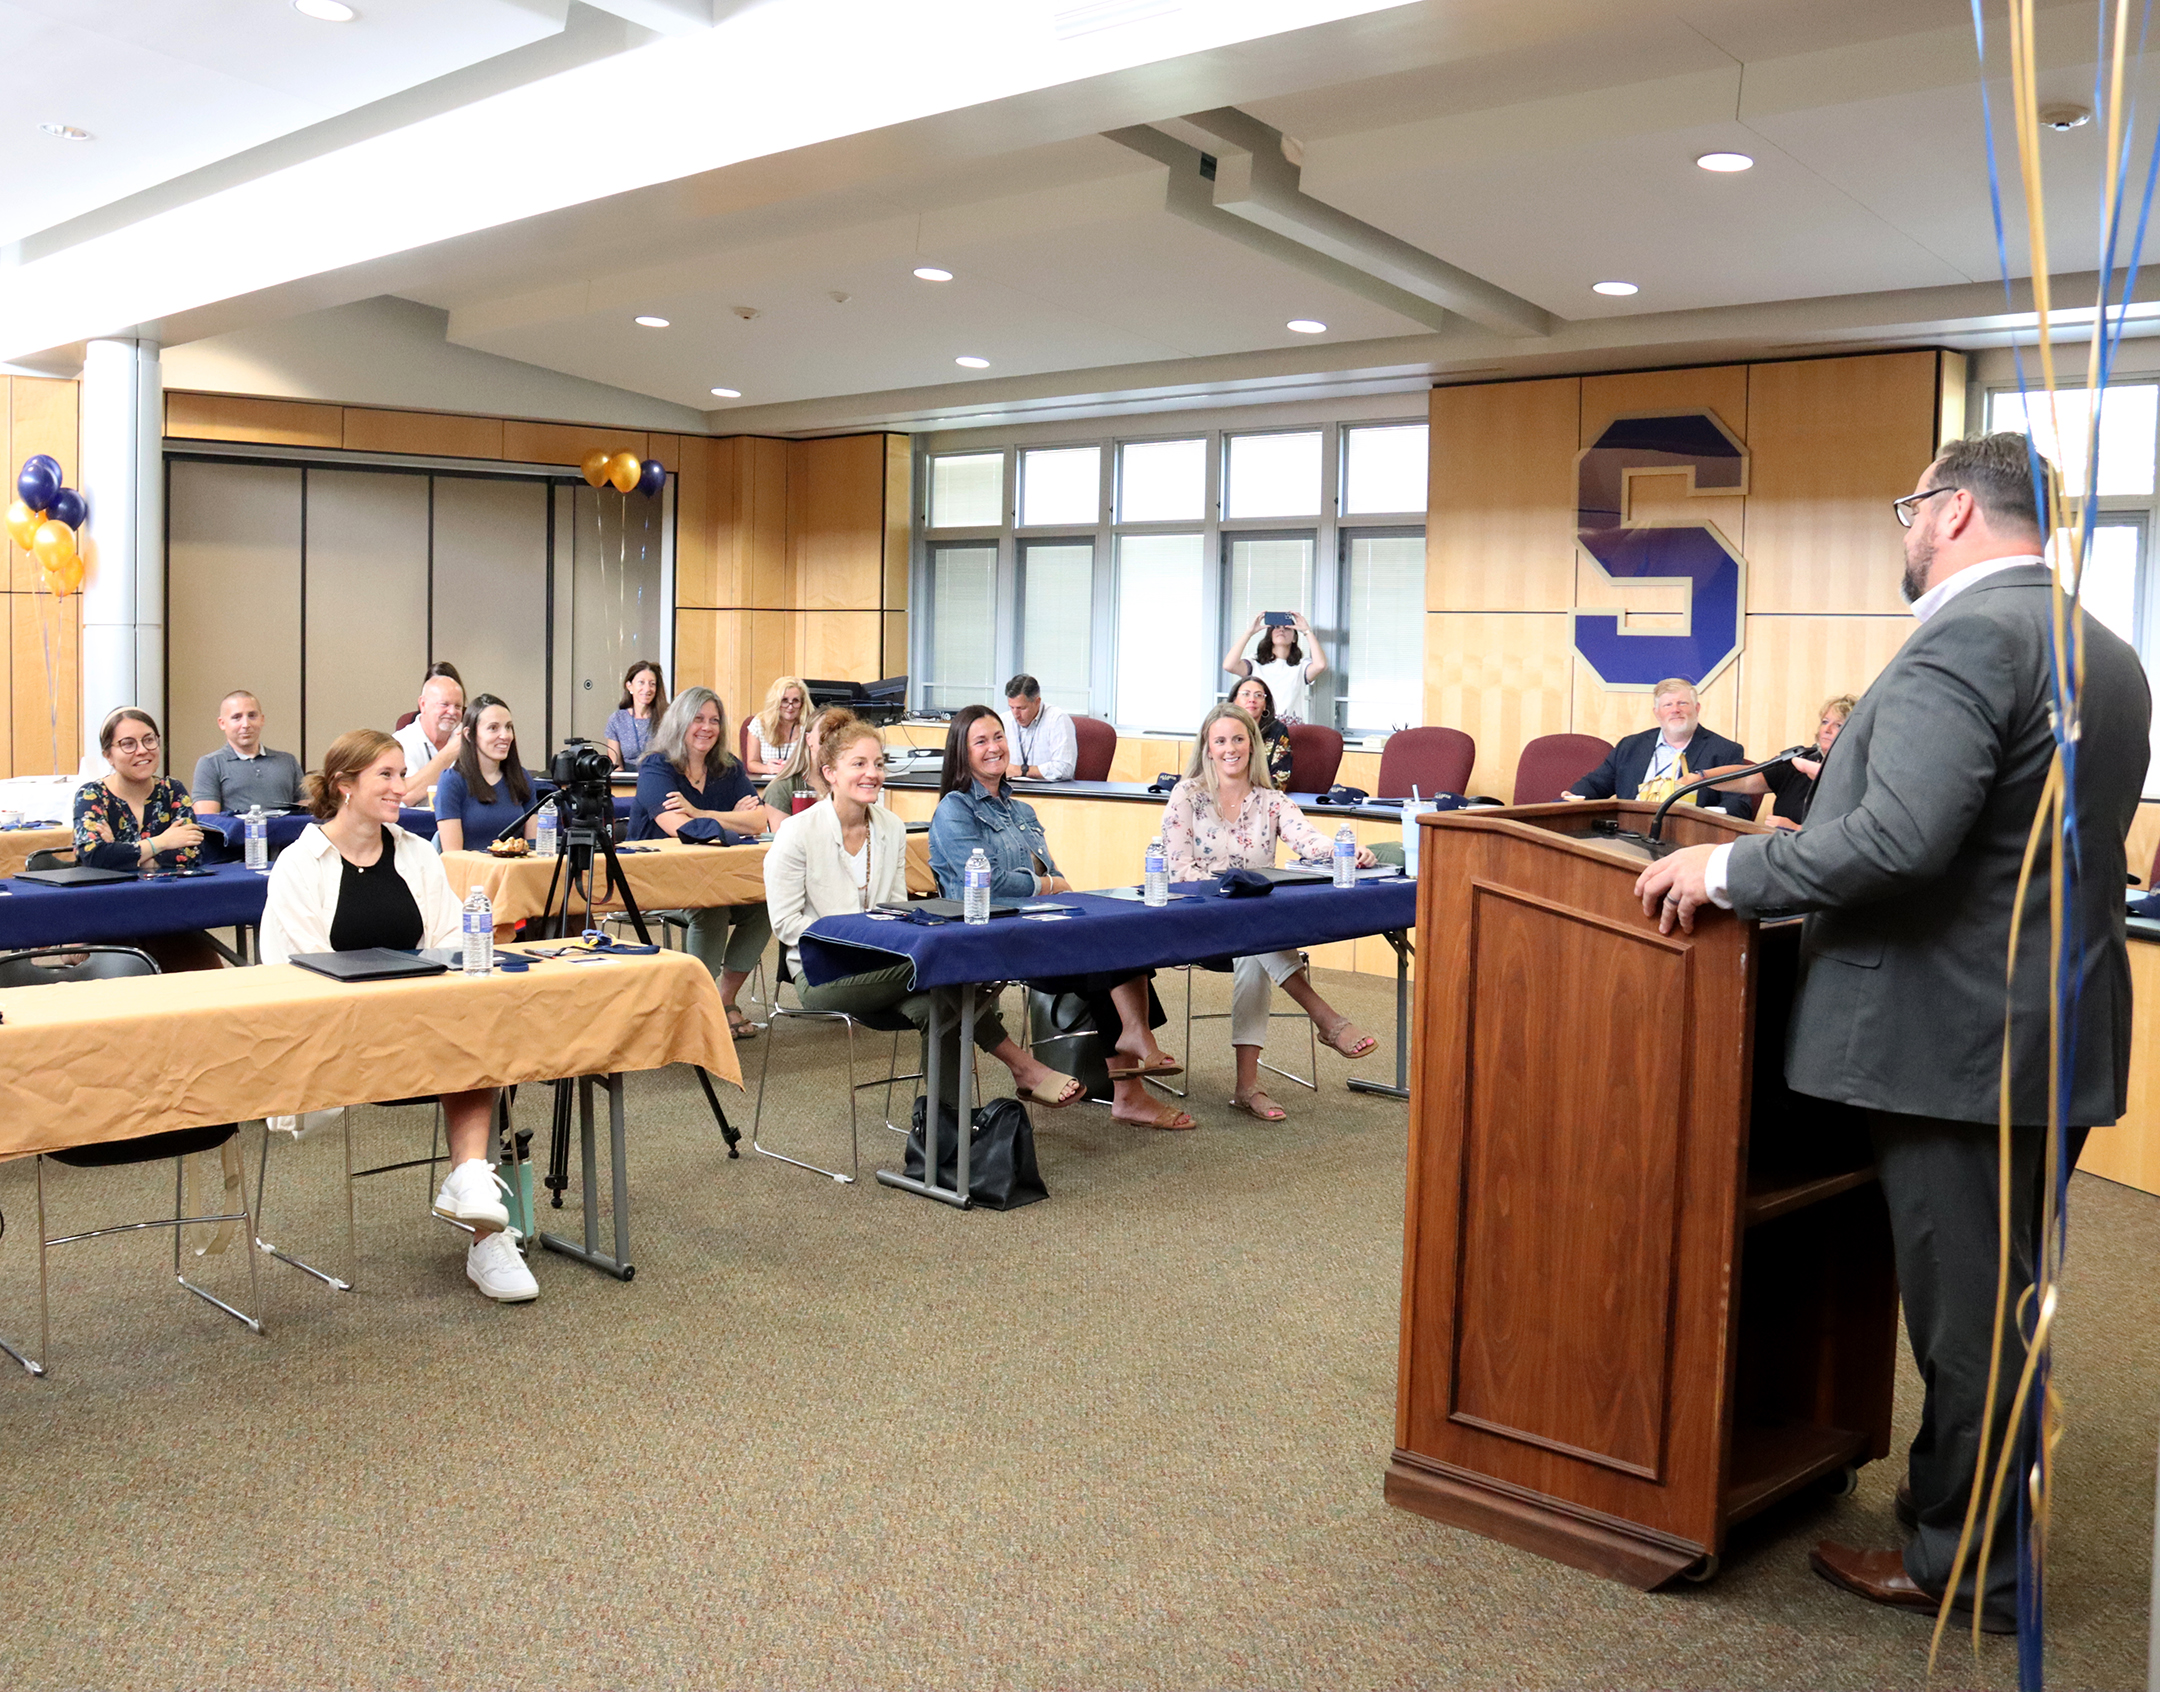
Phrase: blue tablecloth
pixel 285 827
pixel 1111 934
pixel 36 915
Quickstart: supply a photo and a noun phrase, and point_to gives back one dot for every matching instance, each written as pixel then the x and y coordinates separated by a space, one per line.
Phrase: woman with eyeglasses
pixel 135 818
pixel 1257 700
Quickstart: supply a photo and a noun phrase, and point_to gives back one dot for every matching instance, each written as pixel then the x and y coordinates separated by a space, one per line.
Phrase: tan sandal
pixel 1167 1119
pixel 1272 1112
pixel 1069 1092
pixel 1166 1065
pixel 1343 1037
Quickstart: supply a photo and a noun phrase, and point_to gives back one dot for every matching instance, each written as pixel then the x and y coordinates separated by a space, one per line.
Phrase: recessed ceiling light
pixel 324 11
pixel 968 361
pixel 66 131
pixel 1306 326
pixel 1616 289
pixel 1725 162
pixel 931 273
pixel 727 393
pixel 652 323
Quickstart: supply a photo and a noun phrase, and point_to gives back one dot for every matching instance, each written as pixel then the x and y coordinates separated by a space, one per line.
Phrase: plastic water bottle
pixel 544 839
pixel 479 933
pixel 975 888
pixel 1155 880
pixel 1345 857
pixel 255 838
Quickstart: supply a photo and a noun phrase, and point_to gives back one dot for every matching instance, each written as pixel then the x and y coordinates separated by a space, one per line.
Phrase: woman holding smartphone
pixel 1279 658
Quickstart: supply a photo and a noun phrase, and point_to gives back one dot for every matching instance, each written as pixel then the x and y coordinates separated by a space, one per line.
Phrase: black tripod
pixel 587 832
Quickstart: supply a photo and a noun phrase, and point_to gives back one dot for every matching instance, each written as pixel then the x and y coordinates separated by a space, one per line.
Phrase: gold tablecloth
pixel 676 877
pixel 16 845
pixel 88 1061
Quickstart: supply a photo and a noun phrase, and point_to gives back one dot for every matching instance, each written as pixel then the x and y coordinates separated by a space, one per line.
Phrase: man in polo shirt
pixel 243 772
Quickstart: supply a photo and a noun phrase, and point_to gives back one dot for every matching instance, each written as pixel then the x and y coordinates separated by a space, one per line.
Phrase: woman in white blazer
pixel 354 879
pixel 847 854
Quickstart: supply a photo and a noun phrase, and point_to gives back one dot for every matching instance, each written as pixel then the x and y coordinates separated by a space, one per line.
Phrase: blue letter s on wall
pixel 1694 441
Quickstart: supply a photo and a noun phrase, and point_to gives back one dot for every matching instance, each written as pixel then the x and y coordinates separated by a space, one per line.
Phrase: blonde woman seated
pixel 801 783
pixel 354 879
pixel 778 726
pixel 851 855
pixel 1218 818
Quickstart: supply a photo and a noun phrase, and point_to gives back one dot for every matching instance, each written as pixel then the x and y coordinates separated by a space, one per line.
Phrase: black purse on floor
pixel 1001 1157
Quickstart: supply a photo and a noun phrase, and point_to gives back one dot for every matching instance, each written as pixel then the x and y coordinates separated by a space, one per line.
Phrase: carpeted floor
pixel 841 1437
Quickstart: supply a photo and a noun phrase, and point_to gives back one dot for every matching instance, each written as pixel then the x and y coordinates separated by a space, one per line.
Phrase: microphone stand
pixel 1659 846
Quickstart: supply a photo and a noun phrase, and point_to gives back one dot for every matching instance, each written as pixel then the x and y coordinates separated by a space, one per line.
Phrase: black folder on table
pixel 76 875
pixel 952 910
pixel 369 963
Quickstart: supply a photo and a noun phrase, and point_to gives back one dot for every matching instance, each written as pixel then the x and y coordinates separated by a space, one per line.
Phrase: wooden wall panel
pixel 1721 387
pixel 697 644
pixel 2144 841
pixel 893 660
pixel 695 542
pixel 42 418
pixel 836 522
pixel 842 645
pixel 1834 441
pixel 425 434
pixel 44 713
pixel 1503 678
pixel 761 566
pixel 565 443
pixel 1501 534
pixel 1794 663
pixel 242 417
pixel 899 529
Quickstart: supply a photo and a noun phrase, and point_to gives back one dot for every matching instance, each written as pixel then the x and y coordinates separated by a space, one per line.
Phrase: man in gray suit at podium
pixel 1908 867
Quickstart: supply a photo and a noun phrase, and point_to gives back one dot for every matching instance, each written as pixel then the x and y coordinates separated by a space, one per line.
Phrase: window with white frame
pixel 1118 571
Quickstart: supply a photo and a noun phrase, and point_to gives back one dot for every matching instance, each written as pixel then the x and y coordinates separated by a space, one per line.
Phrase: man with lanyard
pixel 1046 746
pixel 1651 764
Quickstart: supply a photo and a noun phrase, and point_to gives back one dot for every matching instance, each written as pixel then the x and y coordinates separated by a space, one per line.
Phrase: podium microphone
pixel 1660 846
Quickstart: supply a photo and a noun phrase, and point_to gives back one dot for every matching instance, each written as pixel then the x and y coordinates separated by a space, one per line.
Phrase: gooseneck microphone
pixel 1657 820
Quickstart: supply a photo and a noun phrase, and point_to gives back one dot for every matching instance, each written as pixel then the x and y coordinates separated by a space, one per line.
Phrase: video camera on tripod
pixel 582 796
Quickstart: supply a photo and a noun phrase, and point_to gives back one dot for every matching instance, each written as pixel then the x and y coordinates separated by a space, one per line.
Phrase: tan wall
pixel 40 637
pixel 1830 441
pixel 791 557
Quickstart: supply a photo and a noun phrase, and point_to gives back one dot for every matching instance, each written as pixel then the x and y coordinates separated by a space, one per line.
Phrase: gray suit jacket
pixel 1909 863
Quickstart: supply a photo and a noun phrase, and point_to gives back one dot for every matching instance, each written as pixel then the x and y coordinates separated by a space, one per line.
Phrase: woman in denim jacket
pixel 976 809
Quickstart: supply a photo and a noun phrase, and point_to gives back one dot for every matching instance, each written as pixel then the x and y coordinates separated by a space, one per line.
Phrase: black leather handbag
pixel 1001 1157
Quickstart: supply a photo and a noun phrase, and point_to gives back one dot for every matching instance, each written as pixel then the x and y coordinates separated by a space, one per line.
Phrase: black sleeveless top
pixel 375 907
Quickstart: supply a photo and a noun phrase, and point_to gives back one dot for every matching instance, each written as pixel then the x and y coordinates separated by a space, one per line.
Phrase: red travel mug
pixel 803 802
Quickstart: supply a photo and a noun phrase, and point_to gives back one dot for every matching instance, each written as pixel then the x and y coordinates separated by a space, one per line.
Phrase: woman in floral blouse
pixel 1218 819
pixel 1258 702
pixel 135 818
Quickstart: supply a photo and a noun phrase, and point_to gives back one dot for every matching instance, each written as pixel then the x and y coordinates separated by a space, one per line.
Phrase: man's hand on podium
pixel 1673 888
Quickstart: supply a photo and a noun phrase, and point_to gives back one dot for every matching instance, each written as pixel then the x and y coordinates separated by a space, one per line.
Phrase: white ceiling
pixel 1541 145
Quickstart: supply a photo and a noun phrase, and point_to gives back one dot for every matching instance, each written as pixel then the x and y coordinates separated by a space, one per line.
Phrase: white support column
pixel 123 479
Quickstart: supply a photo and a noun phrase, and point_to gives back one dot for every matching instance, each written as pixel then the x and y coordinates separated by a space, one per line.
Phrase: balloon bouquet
pixel 627 475
pixel 44 520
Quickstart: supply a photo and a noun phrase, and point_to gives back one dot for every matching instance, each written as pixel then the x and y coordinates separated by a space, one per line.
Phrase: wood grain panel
pixel 7 685
pixel 899 520
pixel 1793 664
pixel 1610 714
pixel 2144 841
pixel 1501 497
pixel 894 658
pixel 668 449
pixel 1557 1036
pixel 836 522
pixel 755 526
pixel 842 645
pixel 1723 388
pixel 242 417
pixel 772 645
pixel 565 443
pixel 697 640
pixel 45 706
pixel 1503 678
pixel 1833 442
pixel 696 564
pixel 425 434
pixel 2129 1151
pixel 42 418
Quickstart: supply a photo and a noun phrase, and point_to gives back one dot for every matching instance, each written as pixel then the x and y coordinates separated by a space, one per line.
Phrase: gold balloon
pixel 54 544
pixel 22 524
pixel 65 578
pixel 624 470
pixel 594 465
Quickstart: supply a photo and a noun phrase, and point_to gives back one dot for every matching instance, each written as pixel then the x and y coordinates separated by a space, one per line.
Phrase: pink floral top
pixel 1199 842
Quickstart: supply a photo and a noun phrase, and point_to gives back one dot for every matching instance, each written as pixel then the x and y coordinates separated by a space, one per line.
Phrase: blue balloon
pixel 51 463
pixel 38 485
pixel 69 507
pixel 652 477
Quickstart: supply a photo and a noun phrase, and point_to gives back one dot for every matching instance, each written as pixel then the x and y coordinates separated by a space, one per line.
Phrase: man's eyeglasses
pixel 1908 507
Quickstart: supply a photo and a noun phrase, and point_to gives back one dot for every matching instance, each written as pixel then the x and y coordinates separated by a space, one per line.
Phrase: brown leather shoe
pixel 1880 1578
pixel 1903 1507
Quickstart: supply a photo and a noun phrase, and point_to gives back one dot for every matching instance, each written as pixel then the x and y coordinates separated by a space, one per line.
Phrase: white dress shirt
pixel 1924 607
pixel 1050 743
pixel 418 749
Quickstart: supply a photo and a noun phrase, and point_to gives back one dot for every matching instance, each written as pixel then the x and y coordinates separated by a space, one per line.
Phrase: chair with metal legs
pixel 881 1022
pixel 1223 966
pixel 90 963
pixel 438 1153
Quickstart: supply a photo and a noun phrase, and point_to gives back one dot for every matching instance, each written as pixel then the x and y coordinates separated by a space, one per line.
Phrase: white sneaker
pixel 494 1266
pixel 471 1193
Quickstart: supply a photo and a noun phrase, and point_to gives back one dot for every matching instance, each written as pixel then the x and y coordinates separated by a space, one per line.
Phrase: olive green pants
pixel 888 990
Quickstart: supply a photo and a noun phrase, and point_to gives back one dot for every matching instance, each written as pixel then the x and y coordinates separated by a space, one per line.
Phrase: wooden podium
pixel 1647 1291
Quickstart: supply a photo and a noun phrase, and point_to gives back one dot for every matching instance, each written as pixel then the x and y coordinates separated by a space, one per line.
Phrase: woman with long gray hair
pixel 691 785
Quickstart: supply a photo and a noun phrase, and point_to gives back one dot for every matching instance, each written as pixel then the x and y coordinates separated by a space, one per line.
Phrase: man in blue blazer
pixel 1658 753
